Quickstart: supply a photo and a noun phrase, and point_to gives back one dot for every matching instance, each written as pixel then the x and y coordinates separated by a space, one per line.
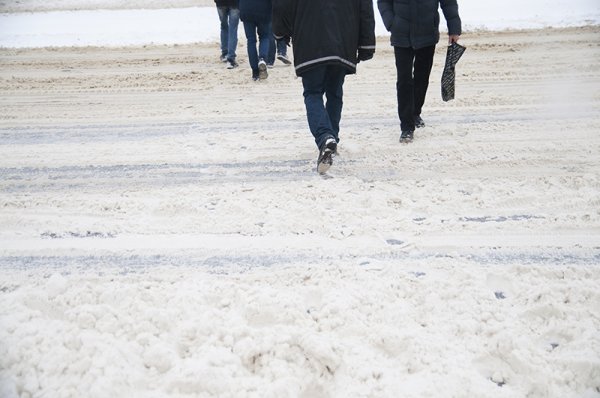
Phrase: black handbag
pixel 455 51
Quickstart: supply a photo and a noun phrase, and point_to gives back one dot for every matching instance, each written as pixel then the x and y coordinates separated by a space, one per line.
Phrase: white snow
pixel 199 24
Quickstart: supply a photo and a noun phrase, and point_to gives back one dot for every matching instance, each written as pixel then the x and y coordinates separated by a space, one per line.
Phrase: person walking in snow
pixel 329 38
pixel 256 16
pixel 229 15
pixel 414 27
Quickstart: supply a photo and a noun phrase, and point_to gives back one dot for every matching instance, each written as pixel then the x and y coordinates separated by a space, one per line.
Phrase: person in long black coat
pixel 414 27
pixel 329 38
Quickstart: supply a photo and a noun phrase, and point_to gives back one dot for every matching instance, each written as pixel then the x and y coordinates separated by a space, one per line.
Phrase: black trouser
pixel 412 87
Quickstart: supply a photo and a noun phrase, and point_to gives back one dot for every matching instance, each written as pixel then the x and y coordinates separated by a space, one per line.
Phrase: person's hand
pixel 364 54
pixel 453 39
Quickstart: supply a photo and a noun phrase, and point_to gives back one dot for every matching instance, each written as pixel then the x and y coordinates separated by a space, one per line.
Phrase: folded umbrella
pixel 455 51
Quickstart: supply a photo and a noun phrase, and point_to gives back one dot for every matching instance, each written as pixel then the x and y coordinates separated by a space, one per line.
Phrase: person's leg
pixel 423 64
pixel 250 31
pixel 334 91
pixel 282 52
pixel 264 34
pixel 405 87
pixel 313 81
pixel 222 11
pixel 272 49
pixel 234 20
pixel 281 47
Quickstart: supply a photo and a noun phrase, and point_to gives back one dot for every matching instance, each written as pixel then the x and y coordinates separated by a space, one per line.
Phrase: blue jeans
pixel 324 119
pixel 230 18
pixel 264 32
pixel 276 45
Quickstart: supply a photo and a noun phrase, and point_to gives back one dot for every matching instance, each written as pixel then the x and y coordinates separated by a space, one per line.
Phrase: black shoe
pixel 231 64
pixel 326 153
pixel 284 58
pixel 419 122
pixel 407 136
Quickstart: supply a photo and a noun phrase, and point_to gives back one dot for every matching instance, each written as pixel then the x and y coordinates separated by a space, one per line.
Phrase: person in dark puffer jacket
pixel 256 16
pixel 414 27
pixel 229 15
pixel 329 38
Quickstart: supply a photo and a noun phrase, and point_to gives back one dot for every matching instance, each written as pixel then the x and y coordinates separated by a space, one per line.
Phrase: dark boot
pixel 407 136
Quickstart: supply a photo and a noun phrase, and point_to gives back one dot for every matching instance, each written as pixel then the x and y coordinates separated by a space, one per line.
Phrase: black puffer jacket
pixel 227 3
pixel 415 23
pixel 326 31
pixel 257 11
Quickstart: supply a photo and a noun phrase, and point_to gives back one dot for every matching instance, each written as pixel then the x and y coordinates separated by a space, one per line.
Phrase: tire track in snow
pixel 239 263
pixel 33 179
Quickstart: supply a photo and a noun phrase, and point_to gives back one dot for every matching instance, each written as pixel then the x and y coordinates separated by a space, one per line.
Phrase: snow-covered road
pixel 164 232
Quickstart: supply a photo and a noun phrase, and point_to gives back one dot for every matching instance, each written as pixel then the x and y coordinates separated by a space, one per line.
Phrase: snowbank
pixel 102 27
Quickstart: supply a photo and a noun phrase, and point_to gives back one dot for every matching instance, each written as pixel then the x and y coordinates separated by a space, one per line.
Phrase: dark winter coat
pixel 227 3
pixel 326 31
pixel 415 23
pixel 257 11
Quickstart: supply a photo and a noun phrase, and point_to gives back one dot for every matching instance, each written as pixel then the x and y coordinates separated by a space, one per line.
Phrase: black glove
pixel 365 54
